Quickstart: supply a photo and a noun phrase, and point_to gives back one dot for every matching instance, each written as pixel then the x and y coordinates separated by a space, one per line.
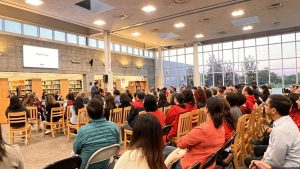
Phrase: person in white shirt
pixel 145 151
pixel 284 143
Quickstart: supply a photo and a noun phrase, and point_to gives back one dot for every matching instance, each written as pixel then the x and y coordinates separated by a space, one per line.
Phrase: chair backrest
pixel 56 112
pixel 195 117
pixel 202 115
pixel 82 117
pixel 17 117
pixel 166 130
pixel 34 115
pixel 116 116
pixel 226 145
pixel 166 110
pixel 73 162
pixel 238 143
pixel 184 124
pixel 68 112
pixel 210 161
pixel 126 111
pixel 195 166
pixel 103 154
pixel 142 112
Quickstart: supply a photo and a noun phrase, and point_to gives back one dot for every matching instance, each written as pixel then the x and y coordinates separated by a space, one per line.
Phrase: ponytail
pixel 216 106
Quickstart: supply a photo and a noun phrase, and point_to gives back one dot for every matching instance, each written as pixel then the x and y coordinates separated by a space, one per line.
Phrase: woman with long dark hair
pixel 109 105
pixel 162 100
pixel 173 114
pixel 265 93
pixel 78 104
pixel 200 97
pixel 145 151
pixel 124 100
pixel 204 140
pixel 16 106
pixel 10 155
pixel 189 100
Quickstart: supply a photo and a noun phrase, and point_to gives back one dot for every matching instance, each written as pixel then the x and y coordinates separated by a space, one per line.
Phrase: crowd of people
pixel 280 146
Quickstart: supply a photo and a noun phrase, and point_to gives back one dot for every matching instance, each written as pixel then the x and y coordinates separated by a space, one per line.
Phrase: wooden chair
pixel 68 114
pixel 15 118
pixel 238 143
pixel 34 116
pixel 195 118
pixel 184 126
pixel 248 134
pixel 82 119
pixel 166 110
pixel 127 135
pixel 116 116
pixel 73 162
pixel 126 111
pixel 202 115
pixel 56 112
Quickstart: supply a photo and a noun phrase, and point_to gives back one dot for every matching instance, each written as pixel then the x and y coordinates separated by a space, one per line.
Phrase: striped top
pixel 95 135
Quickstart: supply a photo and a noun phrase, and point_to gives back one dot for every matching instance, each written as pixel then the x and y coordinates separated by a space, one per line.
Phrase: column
pixel 107 57
pixel 196 76
pixel 159 71
pixel 88 81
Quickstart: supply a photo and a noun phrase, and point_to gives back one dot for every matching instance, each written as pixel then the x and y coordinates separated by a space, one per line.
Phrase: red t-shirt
pixel 295 115
pixel 173 119
pixel 160 116
pixel 189 107
pixel 228 131
pixel 137 104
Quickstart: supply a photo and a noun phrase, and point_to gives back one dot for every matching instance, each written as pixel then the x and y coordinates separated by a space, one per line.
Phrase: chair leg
pixel 52 132
pixel 26 137
pixel 125 139
pixel 69 133
pixel 9 137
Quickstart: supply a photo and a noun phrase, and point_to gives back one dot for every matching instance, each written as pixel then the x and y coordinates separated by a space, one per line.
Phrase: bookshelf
pixel 51 86
pixel 75 86
pixel 25 87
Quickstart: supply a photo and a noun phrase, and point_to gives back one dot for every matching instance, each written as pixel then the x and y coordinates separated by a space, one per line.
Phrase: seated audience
pixel 109 105
pixel 189 100
pixel 229 121
pixel 264 93
pixel 129 95
pixel 98 133
pixel 78 104
pixel 204 140
pixel 162 100
pixel 235 111
pixel 85 99
pixel 124 100
pixel 200 97
pixel 241 104
pixel 145 151
pixel 50 103
pixel 208 93
pixel 151 107
pixel 284 144
pixel 136 107
pixel 250 98
pixel 116 95
pixel 10 155
pixel 16 106
pixel 295 112
pixel 173 114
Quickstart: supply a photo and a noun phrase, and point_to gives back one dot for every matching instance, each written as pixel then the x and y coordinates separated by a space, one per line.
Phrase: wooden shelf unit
pixel 51 86
pixel 25 86
pixel 133 86
pixel 75 86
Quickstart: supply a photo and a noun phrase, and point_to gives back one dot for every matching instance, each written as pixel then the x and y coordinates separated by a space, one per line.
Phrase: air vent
pixel 180 1
pixel 95 6
pixel 276 23
pixel 206 20
pixel 167 35
pixel 122 16
pixel 245 21
pixel 275 5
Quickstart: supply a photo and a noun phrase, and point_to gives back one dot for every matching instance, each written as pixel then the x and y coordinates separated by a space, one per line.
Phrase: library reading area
pixel 149 84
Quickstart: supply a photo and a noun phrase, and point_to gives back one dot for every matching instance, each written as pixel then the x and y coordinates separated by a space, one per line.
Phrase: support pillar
pixel 159 80
pixel 196 76
pixel 107 57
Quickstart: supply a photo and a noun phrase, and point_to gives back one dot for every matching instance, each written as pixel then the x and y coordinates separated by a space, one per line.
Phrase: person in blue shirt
pixel 97 134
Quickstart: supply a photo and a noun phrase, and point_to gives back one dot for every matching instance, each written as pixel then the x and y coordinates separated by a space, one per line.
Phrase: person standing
pixel 95 89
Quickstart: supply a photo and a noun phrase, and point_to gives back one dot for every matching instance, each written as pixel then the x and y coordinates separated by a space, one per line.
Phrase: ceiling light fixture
pixel 34 2
pixel 199 36
pixel 237 13
pixel 179 25
pixel 247 28
pixel 99 22
pixel 148 8
pixel 136 34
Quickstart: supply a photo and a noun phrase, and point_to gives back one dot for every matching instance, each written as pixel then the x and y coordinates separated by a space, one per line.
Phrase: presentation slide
pixel 38 57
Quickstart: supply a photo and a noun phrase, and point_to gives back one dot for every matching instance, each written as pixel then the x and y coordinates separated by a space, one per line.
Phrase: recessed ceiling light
pixel 148 8
pixel 247 28
pixel 237 13
pixel 99 22
pixel 199 36
pixel 34 2
pixel 136 34
pixel 179 25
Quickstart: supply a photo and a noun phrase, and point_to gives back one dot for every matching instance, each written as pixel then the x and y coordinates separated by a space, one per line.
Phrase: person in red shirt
pixel 150 106
pixel 204 140
pixel 136 107
pixel 295 112
pixel 250 98
pixel 189 100
pixel 173 114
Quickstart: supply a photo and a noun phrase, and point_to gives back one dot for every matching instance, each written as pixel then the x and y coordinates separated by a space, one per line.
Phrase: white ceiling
pixel 221 18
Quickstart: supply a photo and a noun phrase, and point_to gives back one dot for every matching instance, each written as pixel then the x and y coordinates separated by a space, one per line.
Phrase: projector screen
pixel 38 57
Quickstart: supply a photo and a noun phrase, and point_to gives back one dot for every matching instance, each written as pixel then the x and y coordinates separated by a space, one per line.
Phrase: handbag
pixel 172 158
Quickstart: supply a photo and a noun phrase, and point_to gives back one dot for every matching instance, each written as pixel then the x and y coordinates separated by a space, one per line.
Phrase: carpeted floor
pixel 42 150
